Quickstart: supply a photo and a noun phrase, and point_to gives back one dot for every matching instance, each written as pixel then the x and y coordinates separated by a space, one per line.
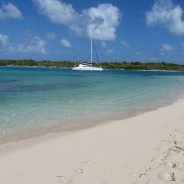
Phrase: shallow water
pixel 44 99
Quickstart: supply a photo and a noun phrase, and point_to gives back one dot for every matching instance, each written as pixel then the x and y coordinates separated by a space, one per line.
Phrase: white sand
pixel 148 148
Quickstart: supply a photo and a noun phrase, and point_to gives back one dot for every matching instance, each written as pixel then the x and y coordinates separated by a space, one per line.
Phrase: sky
pixel 122 30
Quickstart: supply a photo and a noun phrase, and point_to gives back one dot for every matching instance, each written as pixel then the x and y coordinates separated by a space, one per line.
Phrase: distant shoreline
pixel 154 70
pixel 150 66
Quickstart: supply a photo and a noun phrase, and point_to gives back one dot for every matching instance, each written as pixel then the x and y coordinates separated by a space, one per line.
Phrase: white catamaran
pixel 88 66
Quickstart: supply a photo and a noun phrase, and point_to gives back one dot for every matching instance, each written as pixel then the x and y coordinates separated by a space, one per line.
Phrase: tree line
pixel 107 65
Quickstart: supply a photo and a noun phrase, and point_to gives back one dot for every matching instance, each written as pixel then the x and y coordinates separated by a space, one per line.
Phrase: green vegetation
pixel 31 62
pixel 143 66
pixel 107 65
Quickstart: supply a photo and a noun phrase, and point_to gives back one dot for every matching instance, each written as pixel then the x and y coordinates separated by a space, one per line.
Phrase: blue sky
pixel 127 30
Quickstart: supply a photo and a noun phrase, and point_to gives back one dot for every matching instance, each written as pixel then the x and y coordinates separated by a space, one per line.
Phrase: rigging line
pixel 95 52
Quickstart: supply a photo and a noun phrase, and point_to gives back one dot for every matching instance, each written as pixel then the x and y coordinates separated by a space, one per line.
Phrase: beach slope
pixel 147 148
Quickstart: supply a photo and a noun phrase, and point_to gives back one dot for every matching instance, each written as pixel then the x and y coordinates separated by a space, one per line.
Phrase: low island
pixel 108 65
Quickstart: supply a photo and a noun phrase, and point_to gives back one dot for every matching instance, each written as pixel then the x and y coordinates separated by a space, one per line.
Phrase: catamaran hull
pixel 87 68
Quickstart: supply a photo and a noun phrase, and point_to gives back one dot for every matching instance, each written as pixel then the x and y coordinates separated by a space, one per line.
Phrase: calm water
pixel 40 99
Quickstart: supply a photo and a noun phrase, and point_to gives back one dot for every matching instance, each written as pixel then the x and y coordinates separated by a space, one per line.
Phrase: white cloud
pixel 65 43
pixel 165 13
pixel 3 39
pixel 166 47
pixel 10 11
pixel 37 45
pixel 125 43
pixel 102 20
pixel 57 11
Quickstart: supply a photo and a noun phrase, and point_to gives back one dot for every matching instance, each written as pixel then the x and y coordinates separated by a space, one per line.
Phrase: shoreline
pixel 148 147
pixel 43 132
pixel 105 69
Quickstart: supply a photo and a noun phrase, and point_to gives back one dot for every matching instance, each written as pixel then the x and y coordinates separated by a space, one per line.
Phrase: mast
pixel 91 46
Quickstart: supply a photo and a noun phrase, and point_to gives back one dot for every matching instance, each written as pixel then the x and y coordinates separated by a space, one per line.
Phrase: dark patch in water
pixel 8 81
pixel 38 87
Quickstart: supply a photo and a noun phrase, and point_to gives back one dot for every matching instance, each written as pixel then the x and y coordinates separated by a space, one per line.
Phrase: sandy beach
pixel 147 148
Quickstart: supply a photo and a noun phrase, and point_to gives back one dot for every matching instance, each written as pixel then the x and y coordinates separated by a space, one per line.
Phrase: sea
pixel 36 101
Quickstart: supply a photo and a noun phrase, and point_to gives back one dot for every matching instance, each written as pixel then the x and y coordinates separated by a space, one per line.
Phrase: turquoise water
pixel 45 100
